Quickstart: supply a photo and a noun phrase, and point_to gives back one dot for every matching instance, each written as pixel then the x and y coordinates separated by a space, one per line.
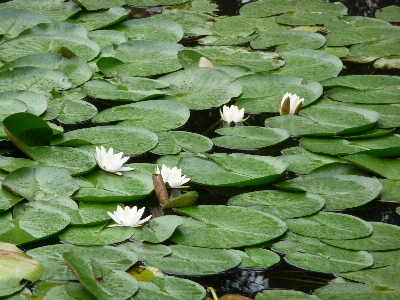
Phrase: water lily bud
pixel 290 104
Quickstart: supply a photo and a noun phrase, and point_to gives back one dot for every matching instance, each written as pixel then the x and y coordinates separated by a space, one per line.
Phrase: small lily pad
pixel 173 142
pixel 158 229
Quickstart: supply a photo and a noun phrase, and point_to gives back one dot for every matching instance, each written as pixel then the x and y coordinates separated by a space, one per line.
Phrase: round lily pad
pixel 172 142
pixel 280 204
pixel 235 169
pixel 333 225
pixel 249 137
pixel 215 226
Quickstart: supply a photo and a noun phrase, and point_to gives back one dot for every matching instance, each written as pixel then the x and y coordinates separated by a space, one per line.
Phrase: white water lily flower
pixel 111 162
pixel 128 217
pixel 172 176
pixel 290 104
pixel 232 114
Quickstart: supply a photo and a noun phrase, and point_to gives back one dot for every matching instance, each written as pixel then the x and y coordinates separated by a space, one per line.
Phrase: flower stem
pixel 213 293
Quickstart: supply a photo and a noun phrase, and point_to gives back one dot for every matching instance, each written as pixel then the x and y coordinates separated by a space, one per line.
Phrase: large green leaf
pixel 310 64
pixel 107 187
pixel 76 67
pixel 333 225
pixel 170 288
pixel 385 146
pixel 14 21
pixel 97 20
pixel 214 226
pixel 235 169
pixel 129 140
pixel 339 191
pixel 151 29
pixel 104 282
pixel 54 266
pixel 201 88
pixel 195 261
pixel 154 115
pixel 280 204
pixel 40 183
pixel 263 92
pixel 325 120
pixel 383 237
pixel 55 10
pixel 228 56
pixel 117 60
pixel 173 142
pixel 31 222
pixel 249 137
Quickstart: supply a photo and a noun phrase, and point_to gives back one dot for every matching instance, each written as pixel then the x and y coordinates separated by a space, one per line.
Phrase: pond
pixel 278 206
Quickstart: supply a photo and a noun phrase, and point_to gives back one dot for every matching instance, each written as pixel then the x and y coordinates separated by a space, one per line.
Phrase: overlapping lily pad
pixel 263 92
pixel 158 229
pixel 280 204
pixel 235 169
pixel 249 137
pixel 69 111
pixel 97 20
pixel 388 168
pixel 226 226
pixel 325 120
pixel 339 191
pixel 118 60
pixel 173 142
pixel 35 103
pixel 389 14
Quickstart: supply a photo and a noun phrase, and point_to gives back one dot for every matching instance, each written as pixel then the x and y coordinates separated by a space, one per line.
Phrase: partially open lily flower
pixel 111 162
pixel 128 217
pixel 232 114
pixel 172 176
pixel 290 104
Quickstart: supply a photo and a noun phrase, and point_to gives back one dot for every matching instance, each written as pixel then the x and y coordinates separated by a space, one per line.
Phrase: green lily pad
pixel 158 229
pixel 97 20
pixel 129 140
pixel 389 14
pixel 170 288
pixel 16 267
pixel 55 10
pixel 76 67
pixel 78 291
pixel 105 37
pixel 48 290
pixel 227 56
pixel 390 190
pixel 54 266
pixel 203 6
pixel 288 40
pixel 193 23
pixel 235 169
pixel 390 62
pixel 184 199
pixel 325 120
pixel 69 111
pixel 383 278
pixel 173 142
pixel 284 295
pixel 118 60
pixel 95 235
pixel 383 237
pixel 385 47
pixel 263 258
pixel 386 258
pixel 263 92
pixel 311 254
pixel 40 183
pixel 388 168
pixel 105 90
pixel 14 21
pixel 385 146
pixel 351 290
pixel 100 4
pixel 154 115
pixel 200 88
pixel 310 64
pixel 31 222
pixel 249 137
pixel 218 40
pixel 107 187
pixel 235 26
pixel 18 294
pixel 280 204
pixel 226 226
pixel 302 161
pixel 365 89
pixel 333 225
pixel 146 251
pixel 10 107
pixel 151 29
pixel 195 261
pixel 102 281
pixel 35 103
pixel 34 79
pixel 339 191
pixel 7 199
pixel 49 37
